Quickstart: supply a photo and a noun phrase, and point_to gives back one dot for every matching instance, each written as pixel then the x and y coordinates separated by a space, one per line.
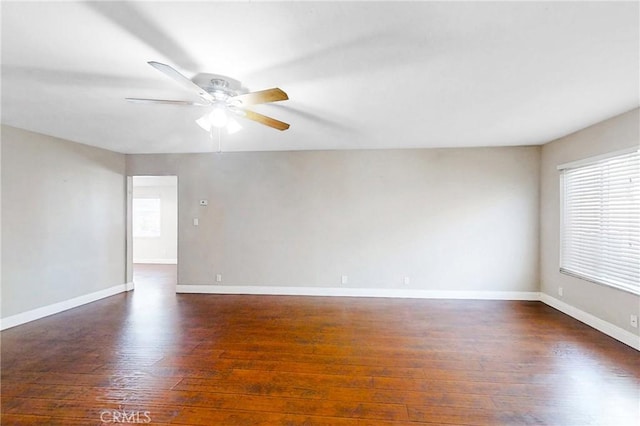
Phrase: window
pixel 146 217
pixel 601 220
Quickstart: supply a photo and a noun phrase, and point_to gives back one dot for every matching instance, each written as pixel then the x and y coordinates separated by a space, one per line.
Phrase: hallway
pixel 150 278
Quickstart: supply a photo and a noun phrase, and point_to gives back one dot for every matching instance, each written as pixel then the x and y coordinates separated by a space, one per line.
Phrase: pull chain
pixel 219 138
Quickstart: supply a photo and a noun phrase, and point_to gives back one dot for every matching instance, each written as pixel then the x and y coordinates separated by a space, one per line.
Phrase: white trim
pixel 358 292
pixel 129 231
pixel 157 261
pixel 55 308
pixel 585 161
pixel 603 326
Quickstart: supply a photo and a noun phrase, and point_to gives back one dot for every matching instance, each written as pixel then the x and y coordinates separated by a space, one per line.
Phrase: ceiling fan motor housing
pixel 220 90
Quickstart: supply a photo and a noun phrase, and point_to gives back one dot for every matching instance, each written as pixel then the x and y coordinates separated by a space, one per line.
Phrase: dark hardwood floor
pixel 151 356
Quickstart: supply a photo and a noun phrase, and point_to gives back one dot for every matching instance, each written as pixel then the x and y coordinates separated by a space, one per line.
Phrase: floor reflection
pixel 151 327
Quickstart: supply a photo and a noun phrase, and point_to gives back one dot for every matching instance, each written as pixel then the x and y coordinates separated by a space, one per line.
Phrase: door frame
pixel 129 228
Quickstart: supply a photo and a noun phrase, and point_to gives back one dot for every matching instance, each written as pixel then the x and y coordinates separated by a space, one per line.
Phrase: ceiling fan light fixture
pixel 204 122
pixel 218 117
pixel 233 126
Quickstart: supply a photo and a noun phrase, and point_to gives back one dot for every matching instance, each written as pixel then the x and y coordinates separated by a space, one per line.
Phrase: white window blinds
pixel 601 221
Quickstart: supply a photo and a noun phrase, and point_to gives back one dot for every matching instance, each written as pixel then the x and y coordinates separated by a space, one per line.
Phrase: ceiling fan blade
pixel 261 97
pixel 263 119
pixel 176 76
pixel 162 101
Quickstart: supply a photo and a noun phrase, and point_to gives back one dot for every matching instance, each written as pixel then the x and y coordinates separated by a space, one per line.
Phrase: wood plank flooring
pixel 155 357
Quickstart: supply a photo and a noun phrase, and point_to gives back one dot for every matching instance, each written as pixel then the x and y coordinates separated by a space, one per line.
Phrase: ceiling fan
pixel 224 100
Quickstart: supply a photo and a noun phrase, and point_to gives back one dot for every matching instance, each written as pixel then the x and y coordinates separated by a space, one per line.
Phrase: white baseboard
pixel 157 261
pixel 358 292
pixel 605 327
pixel 55 308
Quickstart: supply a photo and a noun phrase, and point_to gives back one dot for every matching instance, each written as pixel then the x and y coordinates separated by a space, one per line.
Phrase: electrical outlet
pixel 345 279
pixel 218 278
pixel 560 291
pixel 407 280
pixel 633 320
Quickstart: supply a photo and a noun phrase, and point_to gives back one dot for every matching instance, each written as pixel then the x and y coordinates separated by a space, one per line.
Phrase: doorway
pixel 153 234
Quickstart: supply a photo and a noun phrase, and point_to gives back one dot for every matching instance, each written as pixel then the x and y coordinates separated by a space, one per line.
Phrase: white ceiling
pixel 358 74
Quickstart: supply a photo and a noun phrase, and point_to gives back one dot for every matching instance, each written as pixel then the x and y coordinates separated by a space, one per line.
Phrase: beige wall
pixel 484 219
pixel 63 220
pixel 608 304
pixel 450 219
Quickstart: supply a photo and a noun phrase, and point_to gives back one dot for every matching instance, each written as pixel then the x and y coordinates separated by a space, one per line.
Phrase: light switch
pixel 196 222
